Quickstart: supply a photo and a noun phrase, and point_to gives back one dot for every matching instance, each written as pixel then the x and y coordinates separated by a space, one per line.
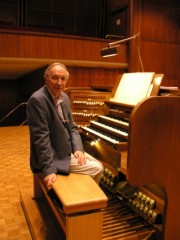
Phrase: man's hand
pixel 81 157
pixel 49 179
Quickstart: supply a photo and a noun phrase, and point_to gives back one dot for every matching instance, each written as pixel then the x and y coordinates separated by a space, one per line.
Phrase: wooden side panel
pixel 87 226
pixel 153 153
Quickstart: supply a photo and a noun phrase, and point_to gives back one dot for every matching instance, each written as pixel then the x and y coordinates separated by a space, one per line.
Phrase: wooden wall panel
pixel 170 28
pixel 170 60
pixel 134 28
pixel 160 41
pixel 104 77
pixel 158 23
pixel 161 58
pixel 93 77
pixel 151 21
pixel 151 52
pixel 85 50
pixel 81 77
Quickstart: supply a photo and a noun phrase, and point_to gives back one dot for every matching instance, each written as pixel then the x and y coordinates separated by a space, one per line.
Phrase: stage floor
pixel 15 174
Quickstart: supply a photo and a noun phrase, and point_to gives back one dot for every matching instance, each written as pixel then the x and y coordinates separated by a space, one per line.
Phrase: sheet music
pixel 133 87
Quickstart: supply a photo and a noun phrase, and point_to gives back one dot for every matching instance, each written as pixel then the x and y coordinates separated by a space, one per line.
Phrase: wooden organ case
pixel 134 171
pixel 153 156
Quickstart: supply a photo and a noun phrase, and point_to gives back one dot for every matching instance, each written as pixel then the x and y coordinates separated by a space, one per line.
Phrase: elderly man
pixel 55 143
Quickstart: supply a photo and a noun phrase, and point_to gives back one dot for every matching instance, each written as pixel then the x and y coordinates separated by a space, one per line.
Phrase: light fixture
pixel 123 40
pixel 112 48
pixel 109 51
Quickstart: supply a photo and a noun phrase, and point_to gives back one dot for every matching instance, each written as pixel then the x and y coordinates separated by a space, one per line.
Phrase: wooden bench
pixel 80 202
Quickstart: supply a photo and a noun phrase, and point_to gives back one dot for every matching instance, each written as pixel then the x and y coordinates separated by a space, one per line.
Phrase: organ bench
pixel 76 201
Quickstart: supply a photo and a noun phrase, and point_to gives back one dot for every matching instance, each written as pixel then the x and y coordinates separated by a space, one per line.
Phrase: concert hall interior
pixel 124 87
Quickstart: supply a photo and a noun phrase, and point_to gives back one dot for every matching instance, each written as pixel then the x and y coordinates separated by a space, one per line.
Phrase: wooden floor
pixel 15 174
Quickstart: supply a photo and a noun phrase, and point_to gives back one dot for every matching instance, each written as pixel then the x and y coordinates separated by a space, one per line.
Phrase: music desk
pixel 81 200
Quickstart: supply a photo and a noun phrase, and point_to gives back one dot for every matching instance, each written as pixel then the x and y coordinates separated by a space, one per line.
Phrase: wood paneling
pixel 166 57
pixel 151 21
pixel 158 23
pixel 104 77
pixel 170 28
pixel 26 45
pixel 160 41
pixel 81 77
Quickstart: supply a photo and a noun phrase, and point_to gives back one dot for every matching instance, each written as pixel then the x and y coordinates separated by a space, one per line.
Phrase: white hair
pixel 46 73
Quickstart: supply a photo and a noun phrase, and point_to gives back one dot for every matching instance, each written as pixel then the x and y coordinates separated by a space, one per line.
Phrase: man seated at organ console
pixel 55 143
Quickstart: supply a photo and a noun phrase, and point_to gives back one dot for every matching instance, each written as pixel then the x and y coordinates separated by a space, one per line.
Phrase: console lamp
pixel 113 48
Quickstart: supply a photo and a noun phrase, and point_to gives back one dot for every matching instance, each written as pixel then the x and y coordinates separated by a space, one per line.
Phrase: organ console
pixel 138 144
pixel 139 209
pixel 137 206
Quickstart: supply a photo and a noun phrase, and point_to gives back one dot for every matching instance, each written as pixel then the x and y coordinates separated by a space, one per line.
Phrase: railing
pixel 12 111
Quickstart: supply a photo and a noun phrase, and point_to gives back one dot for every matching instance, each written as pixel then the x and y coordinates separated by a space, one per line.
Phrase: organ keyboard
pixel 114 120
pixel 100 135
pixel 110 128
